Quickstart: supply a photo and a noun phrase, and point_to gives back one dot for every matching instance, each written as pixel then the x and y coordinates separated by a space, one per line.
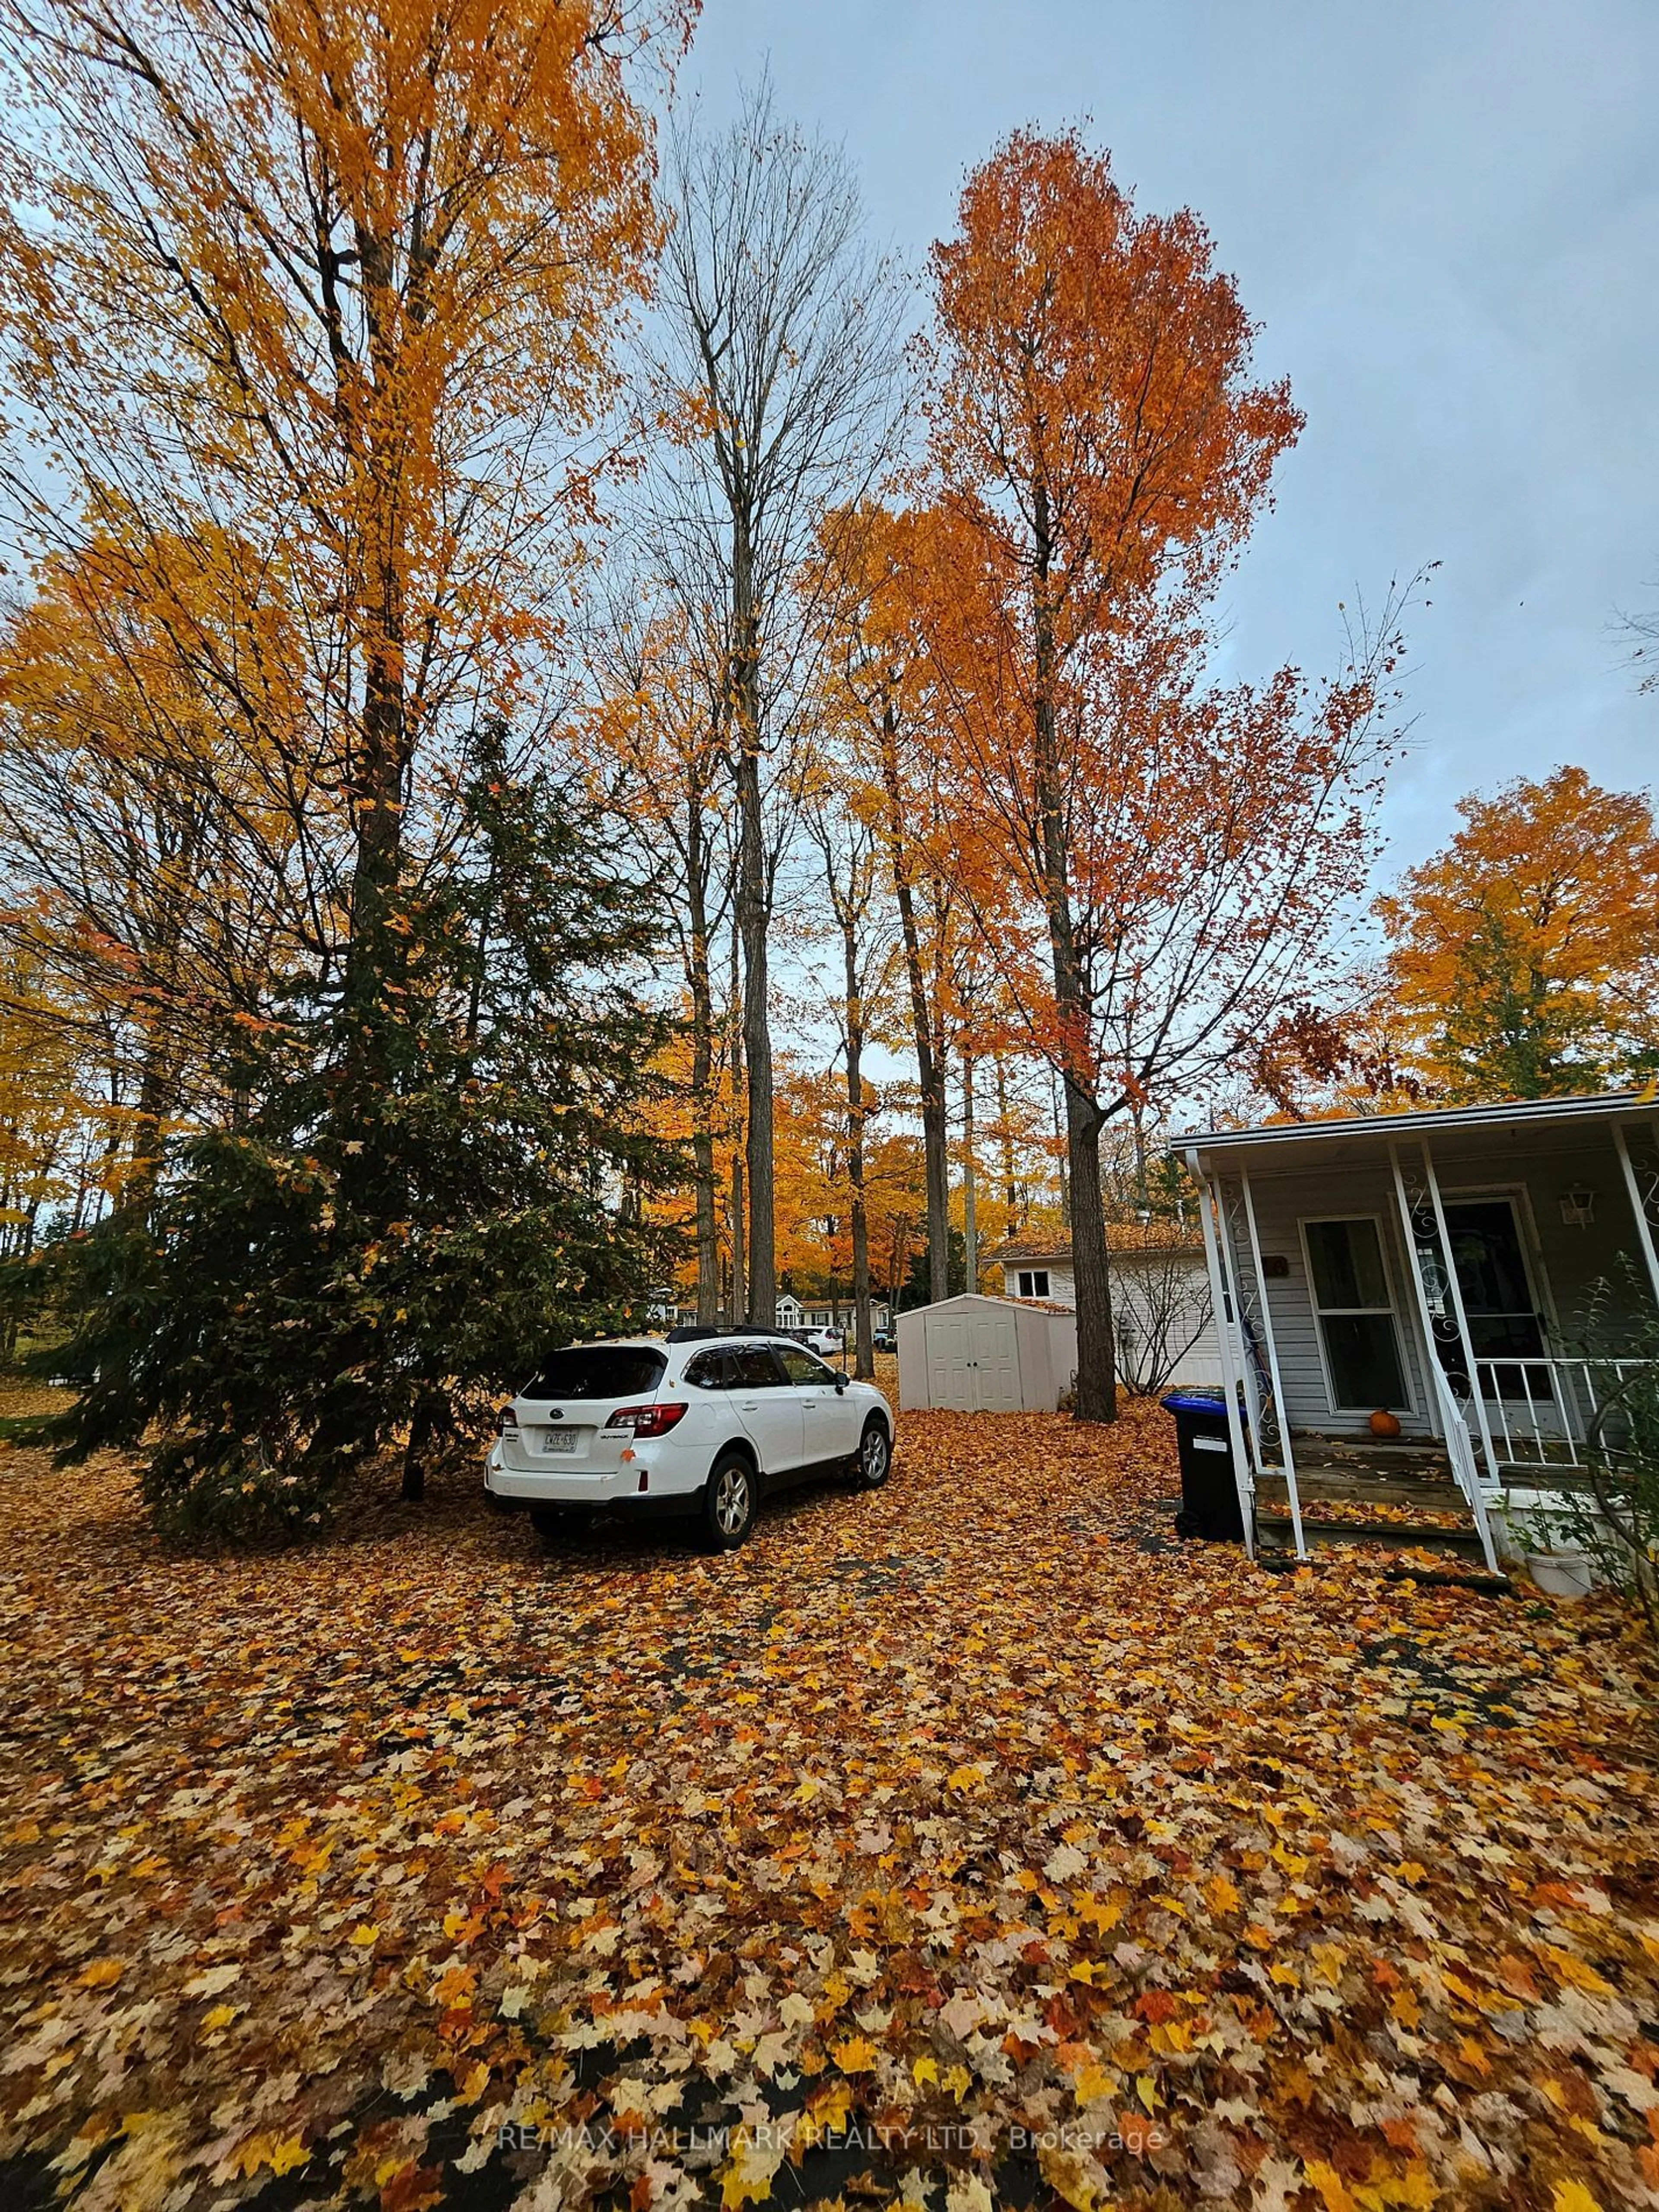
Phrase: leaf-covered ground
pixel 968 1843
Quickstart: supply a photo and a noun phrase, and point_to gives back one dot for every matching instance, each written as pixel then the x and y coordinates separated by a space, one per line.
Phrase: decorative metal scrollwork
pixel 1434 1273
pixel 1253 1323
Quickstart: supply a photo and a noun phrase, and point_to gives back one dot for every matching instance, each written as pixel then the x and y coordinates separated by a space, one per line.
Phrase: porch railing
pixel 1542 1412
pixel 1460 1450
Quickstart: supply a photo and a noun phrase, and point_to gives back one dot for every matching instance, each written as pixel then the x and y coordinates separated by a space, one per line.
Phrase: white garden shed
pixel 978 1355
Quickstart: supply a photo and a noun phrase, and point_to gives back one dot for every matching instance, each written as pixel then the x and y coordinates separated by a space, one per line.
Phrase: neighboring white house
pixel 1042 1273
pixel 1161 1311
pixel 790 1312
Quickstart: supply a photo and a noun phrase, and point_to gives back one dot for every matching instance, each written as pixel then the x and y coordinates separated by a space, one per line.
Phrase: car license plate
pixel 559 1440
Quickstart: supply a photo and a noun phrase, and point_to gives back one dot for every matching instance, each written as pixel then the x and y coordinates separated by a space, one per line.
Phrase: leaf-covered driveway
pixel 966 1844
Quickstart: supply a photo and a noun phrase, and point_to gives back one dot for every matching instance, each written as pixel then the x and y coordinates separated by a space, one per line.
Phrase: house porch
pixel 1487 1277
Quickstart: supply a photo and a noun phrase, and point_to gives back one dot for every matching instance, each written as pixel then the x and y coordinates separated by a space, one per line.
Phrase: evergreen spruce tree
pixel 305 1286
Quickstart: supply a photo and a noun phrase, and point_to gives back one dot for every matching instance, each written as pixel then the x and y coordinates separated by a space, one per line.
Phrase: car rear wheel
pixel 875 1454
pixel 728 1502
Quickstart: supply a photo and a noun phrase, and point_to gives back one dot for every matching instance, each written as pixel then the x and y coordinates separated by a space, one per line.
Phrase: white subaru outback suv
pixel 703 1421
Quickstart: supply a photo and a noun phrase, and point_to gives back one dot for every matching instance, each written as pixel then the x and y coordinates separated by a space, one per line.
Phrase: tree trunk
pixel 1010 1183
pixel 1057 1120
pixel 753 907
pixel 1096 1373
pixel 371 993
pixel 702 1070
pixel 429 1428
pixel 1096 1378
pixel 863 1343
pixel 930 1069
pixel 970 1195
pixel 739 1297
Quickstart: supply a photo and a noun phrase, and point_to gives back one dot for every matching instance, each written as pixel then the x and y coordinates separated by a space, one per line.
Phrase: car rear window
pixel 598 1370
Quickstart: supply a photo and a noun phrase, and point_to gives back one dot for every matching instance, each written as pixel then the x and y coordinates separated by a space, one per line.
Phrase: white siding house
pixel 1161 1309
pixel 790 1312
pixel 1044 1274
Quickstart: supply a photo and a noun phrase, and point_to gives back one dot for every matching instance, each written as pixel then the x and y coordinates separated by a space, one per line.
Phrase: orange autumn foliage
pixel 1523 960
pixel 1151 859
pixel 340 285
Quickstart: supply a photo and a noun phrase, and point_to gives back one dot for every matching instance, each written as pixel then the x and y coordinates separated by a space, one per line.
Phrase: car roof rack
pixel 690 1334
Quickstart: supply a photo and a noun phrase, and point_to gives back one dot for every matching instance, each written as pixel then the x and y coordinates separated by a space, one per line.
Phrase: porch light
pixel 1578 1208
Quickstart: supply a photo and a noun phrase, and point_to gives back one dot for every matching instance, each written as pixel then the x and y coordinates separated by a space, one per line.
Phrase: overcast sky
pixel 1445 215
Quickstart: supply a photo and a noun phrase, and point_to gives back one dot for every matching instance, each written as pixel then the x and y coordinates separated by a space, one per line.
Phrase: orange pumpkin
pixel 1384 1424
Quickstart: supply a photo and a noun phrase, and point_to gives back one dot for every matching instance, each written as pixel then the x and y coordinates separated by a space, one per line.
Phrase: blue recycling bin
pixel 1209 1488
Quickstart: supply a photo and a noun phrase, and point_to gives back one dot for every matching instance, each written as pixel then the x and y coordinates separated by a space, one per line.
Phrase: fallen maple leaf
pixel 855 2056
pixel 747 2177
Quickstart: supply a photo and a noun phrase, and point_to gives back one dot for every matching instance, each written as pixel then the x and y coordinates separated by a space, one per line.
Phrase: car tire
pixel 875 1459
pixel 728 1502
pixel 551 1522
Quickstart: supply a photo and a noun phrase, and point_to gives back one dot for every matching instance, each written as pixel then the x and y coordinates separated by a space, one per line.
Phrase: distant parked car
pixel 829 1341
pixel 884 1340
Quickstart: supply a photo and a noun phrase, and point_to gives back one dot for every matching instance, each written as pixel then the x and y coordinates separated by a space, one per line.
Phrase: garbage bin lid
pixel 1195 1401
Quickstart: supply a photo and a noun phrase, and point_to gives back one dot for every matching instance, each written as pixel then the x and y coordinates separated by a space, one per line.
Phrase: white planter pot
pixel 1562 1574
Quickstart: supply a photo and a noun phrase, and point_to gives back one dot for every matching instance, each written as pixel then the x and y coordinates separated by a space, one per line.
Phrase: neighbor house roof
pixel 1124 1241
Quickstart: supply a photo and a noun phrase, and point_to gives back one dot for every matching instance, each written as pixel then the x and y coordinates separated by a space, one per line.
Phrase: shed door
pixel 996 1363
pixel 973 1363
pixel 949 1363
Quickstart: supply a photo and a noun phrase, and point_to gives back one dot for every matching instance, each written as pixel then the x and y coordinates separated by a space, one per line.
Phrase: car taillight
pixel 509 1420
pixel 647 1421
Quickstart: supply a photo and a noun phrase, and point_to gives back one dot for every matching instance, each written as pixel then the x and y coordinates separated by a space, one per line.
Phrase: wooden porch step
pixel 1372 1452
pixel 1354 1484
pixel 1274 1532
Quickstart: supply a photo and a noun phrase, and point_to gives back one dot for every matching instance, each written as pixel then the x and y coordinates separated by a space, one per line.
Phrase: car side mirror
pixel 841 1386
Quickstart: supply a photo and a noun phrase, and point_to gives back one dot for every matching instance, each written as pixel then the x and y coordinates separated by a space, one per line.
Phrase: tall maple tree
pixel 1151 859
pixel 881 688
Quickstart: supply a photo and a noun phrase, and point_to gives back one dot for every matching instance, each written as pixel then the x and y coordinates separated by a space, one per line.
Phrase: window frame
pixel 718 1359
pixel 778 1379
pixel 1304 1222
pixel 823 1375
pixel 1033 1276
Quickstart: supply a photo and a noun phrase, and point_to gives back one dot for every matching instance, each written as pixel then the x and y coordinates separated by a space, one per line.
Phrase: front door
pixel 767 1408
pixel 829 1419
pixel 1507 1327
pixel 1499 1298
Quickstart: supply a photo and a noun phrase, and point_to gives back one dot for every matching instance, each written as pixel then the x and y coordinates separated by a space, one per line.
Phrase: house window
pixel 1355 1309
pixel 1034 1283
